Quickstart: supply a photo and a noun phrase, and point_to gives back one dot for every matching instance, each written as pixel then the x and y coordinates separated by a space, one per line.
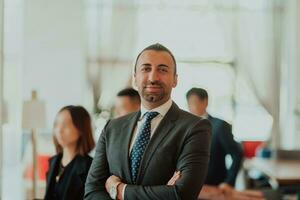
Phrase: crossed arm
pixel 192 164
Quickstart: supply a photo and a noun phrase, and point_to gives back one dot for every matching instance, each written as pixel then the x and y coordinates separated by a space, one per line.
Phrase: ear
pixel 134 80
pixel 206 102
pixel 175 81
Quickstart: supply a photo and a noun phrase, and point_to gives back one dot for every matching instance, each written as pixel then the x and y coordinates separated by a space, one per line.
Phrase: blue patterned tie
pixel 140 144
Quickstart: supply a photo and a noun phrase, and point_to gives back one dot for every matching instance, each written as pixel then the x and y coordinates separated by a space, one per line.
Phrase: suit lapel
pixel 125 145
pixel 160 133
pixel 209 117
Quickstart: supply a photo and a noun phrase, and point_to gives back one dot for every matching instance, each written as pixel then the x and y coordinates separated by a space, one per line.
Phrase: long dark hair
pixel 82 121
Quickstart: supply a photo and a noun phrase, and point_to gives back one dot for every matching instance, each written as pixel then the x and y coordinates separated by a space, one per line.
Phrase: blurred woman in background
pixel 73 141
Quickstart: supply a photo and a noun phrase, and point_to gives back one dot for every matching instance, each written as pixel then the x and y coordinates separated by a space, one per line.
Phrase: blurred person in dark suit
pixel 220 181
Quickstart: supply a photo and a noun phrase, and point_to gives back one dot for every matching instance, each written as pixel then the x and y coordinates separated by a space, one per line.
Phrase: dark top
pixel 223 144
pixel 70 184
pixel 180 142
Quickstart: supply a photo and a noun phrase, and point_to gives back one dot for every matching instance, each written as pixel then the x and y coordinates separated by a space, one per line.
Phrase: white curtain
pixel 258 55
pixel 111 48
pixel 265 39
pixel 290 96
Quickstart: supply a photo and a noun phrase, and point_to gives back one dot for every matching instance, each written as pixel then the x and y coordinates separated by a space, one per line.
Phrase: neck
pixel 68 154
pixel 152 105
pixel 203 114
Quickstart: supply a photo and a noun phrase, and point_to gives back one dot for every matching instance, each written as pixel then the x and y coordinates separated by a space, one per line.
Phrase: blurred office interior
pixel 245 53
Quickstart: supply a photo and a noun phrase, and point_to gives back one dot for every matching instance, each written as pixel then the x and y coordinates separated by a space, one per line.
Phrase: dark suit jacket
pixel 180 142
pixel 223 144
pixel 74 189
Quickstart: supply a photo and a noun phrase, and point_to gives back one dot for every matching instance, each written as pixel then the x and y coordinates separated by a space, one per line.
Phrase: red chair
pixel 42 161
pixel 250 148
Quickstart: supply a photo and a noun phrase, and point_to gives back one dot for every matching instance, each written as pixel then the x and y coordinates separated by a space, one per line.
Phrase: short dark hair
pixel 131 93
pixel 200 92
pixel 82 121
pixel 157 47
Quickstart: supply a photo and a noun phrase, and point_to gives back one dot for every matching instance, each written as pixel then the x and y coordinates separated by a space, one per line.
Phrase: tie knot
pixel 150 115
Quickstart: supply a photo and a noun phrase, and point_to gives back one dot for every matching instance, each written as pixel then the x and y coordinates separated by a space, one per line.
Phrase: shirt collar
pixel 162 109
pixel 204 116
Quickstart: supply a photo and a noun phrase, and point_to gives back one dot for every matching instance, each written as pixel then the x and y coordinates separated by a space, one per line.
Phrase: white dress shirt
pixel 204 116
pixel 162 110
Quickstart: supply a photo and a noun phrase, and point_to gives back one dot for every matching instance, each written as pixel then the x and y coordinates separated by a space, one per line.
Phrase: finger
pixel 176 172
pixel 172 177
pixel 175 177
pixel 171 181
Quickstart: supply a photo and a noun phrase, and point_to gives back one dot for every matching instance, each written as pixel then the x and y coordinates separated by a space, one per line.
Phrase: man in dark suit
pixel 222 144
pixel 137 154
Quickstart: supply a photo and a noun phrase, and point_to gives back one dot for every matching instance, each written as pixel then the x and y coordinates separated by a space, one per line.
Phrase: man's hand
pixel 113 181
pixel 211 192
pixel 174 178
pixel 222 192
pixel 226 188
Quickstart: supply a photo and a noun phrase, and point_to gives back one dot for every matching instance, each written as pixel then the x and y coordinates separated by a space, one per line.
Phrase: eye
pixel 146 69
pixel 163 69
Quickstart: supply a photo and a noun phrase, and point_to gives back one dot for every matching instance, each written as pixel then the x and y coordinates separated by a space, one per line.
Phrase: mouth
pixel 153 88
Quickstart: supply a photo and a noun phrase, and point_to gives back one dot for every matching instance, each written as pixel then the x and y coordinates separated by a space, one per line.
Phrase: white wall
pixel 44 50
pixel 13 43
pixel 54 53
pixel 1 91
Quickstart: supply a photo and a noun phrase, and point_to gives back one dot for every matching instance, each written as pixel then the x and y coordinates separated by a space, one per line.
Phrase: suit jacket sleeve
pixel 98 173
pixel 233 149
pixel 192 163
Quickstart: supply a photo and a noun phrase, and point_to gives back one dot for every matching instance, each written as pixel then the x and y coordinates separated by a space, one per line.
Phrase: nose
pixel 153 76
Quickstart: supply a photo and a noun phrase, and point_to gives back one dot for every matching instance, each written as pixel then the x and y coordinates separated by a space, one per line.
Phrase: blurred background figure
pixel 220 181
pixel 222 143
pixel 127 101
pixel 73 141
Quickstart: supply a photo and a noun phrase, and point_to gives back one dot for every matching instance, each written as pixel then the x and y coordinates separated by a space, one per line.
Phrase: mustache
pixel 154 83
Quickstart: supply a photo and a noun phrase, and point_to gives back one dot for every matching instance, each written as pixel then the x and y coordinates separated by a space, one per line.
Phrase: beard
pixel 154 96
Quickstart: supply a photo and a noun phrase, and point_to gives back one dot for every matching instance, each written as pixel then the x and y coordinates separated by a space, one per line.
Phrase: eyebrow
pixel 163 65
pixel 148 64
pixel 145 64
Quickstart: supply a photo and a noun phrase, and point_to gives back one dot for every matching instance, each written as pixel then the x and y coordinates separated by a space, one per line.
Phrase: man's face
pixel 155 77
pixel 125 105
pixel 197 106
